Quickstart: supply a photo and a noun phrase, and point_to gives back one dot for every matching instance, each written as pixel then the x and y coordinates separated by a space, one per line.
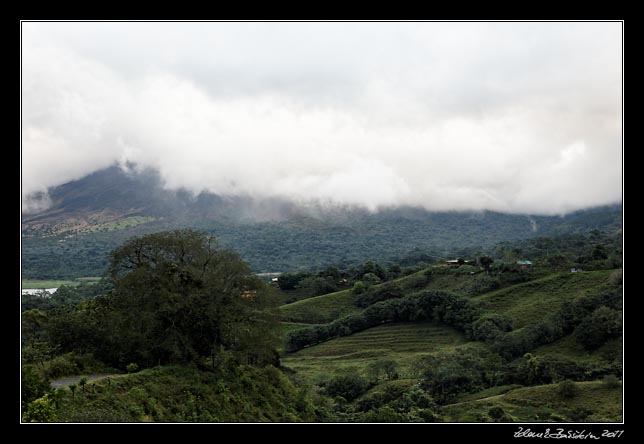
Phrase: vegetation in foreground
pixel 231 393
pixel 475 343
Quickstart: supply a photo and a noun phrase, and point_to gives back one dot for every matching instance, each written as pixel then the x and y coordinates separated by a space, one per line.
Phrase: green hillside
pixel 441 344
pixel 529 302
pixel 594 402
pixel 91 216
pixel 320 309
pixel 402 342
pixel 409 347
pixel 610 352
pixel 180 394
pixel 328 307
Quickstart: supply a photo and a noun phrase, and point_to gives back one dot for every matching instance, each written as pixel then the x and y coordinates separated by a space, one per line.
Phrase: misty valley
pixel 168 310
pixel 323 222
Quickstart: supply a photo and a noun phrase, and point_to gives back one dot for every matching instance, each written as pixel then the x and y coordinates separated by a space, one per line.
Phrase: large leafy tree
pixel 178 297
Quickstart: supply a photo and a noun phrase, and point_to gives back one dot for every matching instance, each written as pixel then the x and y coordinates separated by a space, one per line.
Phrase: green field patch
pixel 402 342
pixel 610 352
pixel 328 307
pixel 489 393
pixel 28 284
pixel 594 402
pixel 89 279
pixel 292 326
pixel 529 302
pixel 320 309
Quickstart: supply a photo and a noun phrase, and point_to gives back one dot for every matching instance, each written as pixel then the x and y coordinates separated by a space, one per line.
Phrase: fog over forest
pixel 510 117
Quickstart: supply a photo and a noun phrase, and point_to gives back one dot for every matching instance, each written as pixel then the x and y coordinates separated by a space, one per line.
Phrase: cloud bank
pixel 511 117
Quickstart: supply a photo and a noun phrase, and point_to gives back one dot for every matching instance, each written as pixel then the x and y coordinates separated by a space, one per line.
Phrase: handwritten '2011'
pixel 561 433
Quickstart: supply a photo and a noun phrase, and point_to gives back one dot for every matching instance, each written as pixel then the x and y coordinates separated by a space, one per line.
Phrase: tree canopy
pixel 179 298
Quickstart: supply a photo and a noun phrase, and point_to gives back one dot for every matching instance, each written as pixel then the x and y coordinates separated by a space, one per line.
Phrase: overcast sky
pixel 512 117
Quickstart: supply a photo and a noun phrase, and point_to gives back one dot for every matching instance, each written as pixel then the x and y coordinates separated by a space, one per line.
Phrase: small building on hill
pixel 457 262
pixel 524 265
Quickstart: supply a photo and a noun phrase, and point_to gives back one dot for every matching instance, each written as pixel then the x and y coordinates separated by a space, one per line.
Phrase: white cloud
pixel 518 117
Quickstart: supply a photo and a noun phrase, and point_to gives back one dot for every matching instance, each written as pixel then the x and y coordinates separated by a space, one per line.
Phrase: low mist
pixel 509 117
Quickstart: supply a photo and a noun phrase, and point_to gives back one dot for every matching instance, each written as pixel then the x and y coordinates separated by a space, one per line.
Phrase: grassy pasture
pixel 595 402
pixel 402 342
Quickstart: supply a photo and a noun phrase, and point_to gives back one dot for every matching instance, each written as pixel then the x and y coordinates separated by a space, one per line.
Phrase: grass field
pixel 529 302
pixel 290 326
pixel 567 346
pixel 320 309
pixel 34 283
pixel 595 402
pixel 402 342
pixel 328 307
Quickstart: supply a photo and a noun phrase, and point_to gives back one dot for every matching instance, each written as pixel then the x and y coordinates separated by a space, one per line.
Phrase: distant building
pixel 248 294
pixel 524 265
pixel 576 270
pixel 457 262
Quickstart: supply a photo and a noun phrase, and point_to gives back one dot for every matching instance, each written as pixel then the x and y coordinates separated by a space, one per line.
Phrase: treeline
pixel 401 236
pixel 593 250
pixel 302 285
pixel 66 296
pixel 440 305
pixel 479 282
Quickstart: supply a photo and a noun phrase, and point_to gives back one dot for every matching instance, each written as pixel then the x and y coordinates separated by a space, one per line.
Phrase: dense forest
pixel 94 215
pixel 188 333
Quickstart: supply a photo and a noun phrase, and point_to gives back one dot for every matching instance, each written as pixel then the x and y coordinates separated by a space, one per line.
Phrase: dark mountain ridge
pixel 90 216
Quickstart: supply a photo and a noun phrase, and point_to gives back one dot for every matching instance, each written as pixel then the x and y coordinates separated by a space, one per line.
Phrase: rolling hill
pixel 408 346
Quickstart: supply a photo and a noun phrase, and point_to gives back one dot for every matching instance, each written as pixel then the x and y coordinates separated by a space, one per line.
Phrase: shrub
pixel 82 382
pixel 370 279
pixel 348 387
pixel 567 389
pixel 415 398
pixel 132 367
pixel 483 284
pixel 615 277
pixel 383 414
pixel 40 410
pixel 33 385
pixel 61 366
pixel 386 367
pixel 610 381
pixel 490 326
pixel 603 324
pixel 580 414
pixel 496 413
pixel 382 293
